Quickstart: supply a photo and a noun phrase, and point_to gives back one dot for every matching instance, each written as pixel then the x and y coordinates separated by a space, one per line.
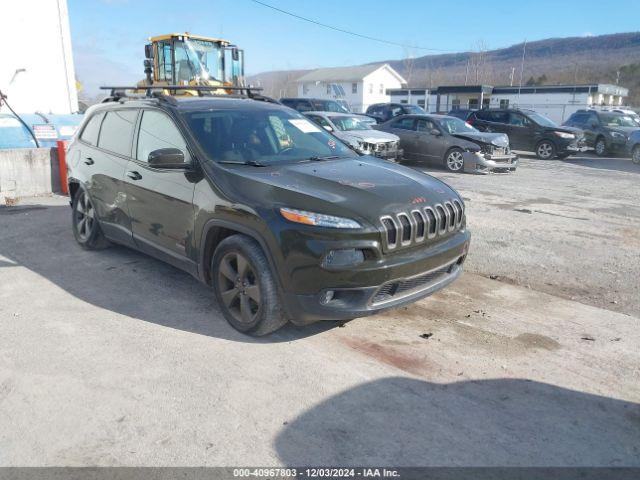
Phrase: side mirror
pixel 327 128
pixel 167 158
pixel 148 50
pixel 435 132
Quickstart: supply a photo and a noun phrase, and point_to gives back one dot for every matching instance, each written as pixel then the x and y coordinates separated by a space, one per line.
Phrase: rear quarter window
pixel 117 131
pixel 92 129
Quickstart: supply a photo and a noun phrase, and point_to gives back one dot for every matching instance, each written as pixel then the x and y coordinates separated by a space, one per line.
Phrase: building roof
pixel 341 74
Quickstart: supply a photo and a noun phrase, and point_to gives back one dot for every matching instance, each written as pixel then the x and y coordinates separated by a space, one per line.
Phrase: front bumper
pixel 486 163
pixel 386 154
pixel 395 280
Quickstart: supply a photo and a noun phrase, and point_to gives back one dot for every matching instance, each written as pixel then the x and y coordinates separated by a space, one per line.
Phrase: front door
pixel 430 146
pixel 521 135
pixel 160 201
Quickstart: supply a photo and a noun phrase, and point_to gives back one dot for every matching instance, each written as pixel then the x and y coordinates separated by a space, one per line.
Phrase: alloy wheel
pixel 239 287
pixel 455 161
pixel 545 150
pixel 635 157
pixel 85 217
pixel 600 147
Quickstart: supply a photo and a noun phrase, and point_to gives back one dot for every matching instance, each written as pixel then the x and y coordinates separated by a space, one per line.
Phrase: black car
pixel 384 112
pixel 314 105
pixel 449 141
pixel 461 113
pixel 606 132
pixel 530 131
pixel 244 194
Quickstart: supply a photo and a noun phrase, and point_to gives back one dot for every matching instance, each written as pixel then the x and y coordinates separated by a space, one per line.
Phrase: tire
pixel 245 287
pixel 84 223
pixel 454 161
pixel 600 147
pixel 545 150
pixel 635 155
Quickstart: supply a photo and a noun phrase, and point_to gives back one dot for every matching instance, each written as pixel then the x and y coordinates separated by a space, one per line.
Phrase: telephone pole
pixel 524 51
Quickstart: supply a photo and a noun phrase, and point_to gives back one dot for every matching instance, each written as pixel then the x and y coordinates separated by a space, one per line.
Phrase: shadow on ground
pixel 506 422
pixel 118 279
pixel 614 164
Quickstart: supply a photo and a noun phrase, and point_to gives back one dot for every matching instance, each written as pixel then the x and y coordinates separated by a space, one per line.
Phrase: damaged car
pixel 356 131
pixel 451 142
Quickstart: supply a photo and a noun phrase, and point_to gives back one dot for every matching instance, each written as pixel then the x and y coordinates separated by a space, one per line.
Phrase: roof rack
pixel 155 91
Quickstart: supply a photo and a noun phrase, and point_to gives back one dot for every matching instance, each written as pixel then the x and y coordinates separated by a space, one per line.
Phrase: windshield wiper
pixel 253 163
pixel 320 159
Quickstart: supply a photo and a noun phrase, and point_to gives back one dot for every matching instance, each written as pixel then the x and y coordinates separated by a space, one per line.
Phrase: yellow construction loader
pixel 182 59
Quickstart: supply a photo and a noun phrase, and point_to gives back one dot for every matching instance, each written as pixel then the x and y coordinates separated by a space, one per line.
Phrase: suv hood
pixel 369 136
pixel 362 188
pixel 495 139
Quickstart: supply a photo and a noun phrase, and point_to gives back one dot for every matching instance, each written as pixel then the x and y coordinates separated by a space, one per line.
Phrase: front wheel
pixel 635 155
pixel 454 160
pixel 84 222
pixel 245 288
pixel 545 150
pixel 601 147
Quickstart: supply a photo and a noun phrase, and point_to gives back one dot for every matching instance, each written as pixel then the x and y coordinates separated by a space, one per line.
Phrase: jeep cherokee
pixel 283 220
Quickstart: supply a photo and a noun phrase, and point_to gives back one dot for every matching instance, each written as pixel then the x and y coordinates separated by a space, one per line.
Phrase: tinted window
pixel 319 120
pixel 413 109
pixel 424 125
pixel 496 117
pixel 117 131
pixel 329 106
pixel 90 132
pixel 518 120
pixel 396 110
pixel 579 118
pixel 157 131
pixel 404 124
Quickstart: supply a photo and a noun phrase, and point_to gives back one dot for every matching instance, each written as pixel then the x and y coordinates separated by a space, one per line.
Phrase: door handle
pixel 134 175
pixel 89 161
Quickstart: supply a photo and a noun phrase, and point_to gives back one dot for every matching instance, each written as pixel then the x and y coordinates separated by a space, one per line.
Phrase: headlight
pixel 318 219
pixel 565 135
pixel 618 135
pixel 362 147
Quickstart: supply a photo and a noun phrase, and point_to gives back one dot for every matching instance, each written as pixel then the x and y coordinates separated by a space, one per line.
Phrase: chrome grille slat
pixel 418 225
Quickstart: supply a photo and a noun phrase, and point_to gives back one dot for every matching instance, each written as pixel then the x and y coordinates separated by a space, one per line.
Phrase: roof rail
pixel 155 91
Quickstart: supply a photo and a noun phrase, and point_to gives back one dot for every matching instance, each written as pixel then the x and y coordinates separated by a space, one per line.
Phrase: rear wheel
pixel 454 160
pixel 545 150
pixel 635 155
pixel 84 223
pixel 245 288
pixel 601 147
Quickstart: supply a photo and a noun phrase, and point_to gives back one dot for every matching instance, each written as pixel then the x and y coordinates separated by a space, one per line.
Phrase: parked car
pixel 384 112
pixel 314 104
pixel 352 130
pixel 630 113
pixel 281 218
pixel 606 132
pixel 461 113
pixel 633 147
pixel 530 131
pixel 449 141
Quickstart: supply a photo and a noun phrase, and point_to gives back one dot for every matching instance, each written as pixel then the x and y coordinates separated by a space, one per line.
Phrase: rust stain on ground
pixel 388 355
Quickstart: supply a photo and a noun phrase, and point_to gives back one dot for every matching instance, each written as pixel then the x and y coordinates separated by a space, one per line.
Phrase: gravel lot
pixel 113 358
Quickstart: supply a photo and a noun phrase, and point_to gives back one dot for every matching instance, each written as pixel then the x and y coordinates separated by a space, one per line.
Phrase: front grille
pixel 416 226
pixel 493 150
pixel 403 288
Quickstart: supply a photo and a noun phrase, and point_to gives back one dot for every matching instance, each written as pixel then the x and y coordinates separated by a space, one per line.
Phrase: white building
pixel 36 64
pixel 360 86
pixel 557 102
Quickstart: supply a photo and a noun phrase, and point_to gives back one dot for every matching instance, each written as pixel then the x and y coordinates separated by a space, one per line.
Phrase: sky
pixel 108 36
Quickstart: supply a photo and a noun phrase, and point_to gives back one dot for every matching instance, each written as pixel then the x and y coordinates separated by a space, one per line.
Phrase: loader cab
pixel 183 59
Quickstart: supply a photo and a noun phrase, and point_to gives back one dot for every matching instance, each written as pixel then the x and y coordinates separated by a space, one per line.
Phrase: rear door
pixel 405 128
pixel 107 162
pixel 160 201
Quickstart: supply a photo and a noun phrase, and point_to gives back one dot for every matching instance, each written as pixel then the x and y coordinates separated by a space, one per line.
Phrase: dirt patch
pixel 534 340
pixel 389 356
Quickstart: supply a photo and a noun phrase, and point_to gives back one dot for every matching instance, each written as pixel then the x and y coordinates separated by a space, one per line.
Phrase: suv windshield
pixel 617 120
pixel 349 123
pixel 330 106
pixel 262 136
pixel 455 125
pixel 414 109
pixel 541 120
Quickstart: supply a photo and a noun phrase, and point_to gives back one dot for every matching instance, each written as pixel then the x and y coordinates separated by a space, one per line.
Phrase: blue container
pixel 48 129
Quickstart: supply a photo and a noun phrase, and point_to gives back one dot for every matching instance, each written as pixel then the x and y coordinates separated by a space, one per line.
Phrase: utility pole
pixel 466 75
pixel 513 72
pixel 524 51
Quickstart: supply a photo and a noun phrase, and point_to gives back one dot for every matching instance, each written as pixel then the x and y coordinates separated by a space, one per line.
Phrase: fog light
pixel 342 258
pixel 326 297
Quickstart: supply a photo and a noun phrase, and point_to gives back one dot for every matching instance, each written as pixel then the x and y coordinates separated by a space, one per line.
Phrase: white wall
pixel 37 39
pixel 381 77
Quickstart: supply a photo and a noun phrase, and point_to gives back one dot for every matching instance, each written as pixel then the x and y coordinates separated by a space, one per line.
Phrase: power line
pixel 349 32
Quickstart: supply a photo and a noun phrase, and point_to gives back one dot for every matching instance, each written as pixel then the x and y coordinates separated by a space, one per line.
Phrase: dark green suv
pixel 283 220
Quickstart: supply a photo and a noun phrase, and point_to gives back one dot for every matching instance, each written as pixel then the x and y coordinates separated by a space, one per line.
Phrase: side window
pixel 498 117
pixel 404 124
pixel 424 125
pixel 157 131
pixel 319 120
pixel 593 118
pixel 304 106
pixel 482 115
pixel 90 132
pixel 117 131
pixel 516 119
pixel 396 111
